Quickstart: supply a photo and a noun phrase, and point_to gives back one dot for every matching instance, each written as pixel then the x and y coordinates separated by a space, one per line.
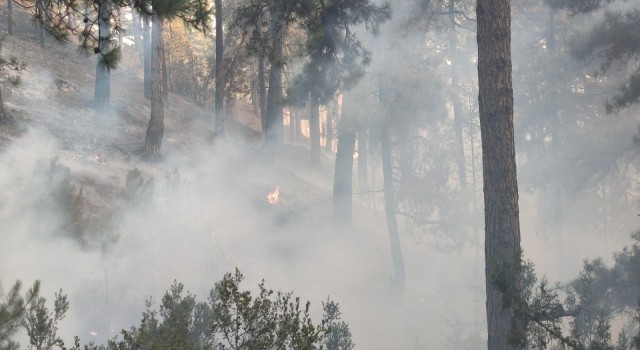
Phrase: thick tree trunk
pixel 219 94
pixel 314 130
pixel 363 156
pixel 155 130
pixel 506 326
pixel 390 209
pixel 146 57
pixel 102 91
pixel 343 176
pixel 455 100
pixel 10 17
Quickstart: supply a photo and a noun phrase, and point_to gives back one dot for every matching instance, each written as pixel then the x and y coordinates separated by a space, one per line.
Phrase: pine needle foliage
pixel 111 59
pixel 13 308
pixel 614 42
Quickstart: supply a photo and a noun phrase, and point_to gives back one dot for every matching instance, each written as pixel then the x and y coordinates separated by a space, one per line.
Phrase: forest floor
pixel 207 212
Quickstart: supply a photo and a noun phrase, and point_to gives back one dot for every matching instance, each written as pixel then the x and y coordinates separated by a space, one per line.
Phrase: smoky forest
pixel 319 174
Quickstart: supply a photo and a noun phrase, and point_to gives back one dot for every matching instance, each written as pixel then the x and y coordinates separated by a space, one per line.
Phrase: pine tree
pixel 506 327
pixel 335 55
pixel 195 14
pixel 13 308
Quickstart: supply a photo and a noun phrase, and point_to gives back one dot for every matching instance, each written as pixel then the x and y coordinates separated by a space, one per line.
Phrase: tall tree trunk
pixel 273 130
pixel 331 110
pixel 343 176
pixel 219 94
pixel 102 91
pixel 390 209
pixel 363 156
pixel 146 56
pixel 3 112
pixel 10 17
pixel 298 127
pixel 455 100
pixel 40 12
pixel 155 130
pixel 262 92
pixel 506 325
pixel 314 129
pixel 292 126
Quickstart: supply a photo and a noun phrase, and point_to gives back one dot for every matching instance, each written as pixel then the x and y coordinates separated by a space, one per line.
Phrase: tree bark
pixel 343 176
pixel 455 101
pixel 10 17
pixel 102 92
pixel 314 130
pixel 506 326
pixel 146 56
pixel 219 94
pixel 155 130
pixel 390 209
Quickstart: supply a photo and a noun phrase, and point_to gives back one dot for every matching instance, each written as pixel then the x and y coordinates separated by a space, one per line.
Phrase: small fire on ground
pixel 274 196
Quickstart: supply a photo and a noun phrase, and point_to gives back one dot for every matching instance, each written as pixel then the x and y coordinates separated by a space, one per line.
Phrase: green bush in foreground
pixel 231 318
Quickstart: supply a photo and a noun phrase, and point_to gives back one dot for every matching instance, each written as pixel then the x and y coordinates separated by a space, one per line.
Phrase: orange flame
pixel 274 196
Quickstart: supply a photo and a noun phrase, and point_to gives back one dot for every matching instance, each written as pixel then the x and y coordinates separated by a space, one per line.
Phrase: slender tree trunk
pixel 155 130
pixel 292 130
pixel 102 83
pixel 390 209
pixel 36 24
pixel 343 176
pixel 10 17
pixel 293 123
pixel 314 129
pixel 3 113
pixel 298 122
pixel 506 326
pixel 455 100
pixel 331 108
pixel 273 130
pixel 363 156
pixel 40 10
pixel 146 56
pixel 219 94
pixel 262 92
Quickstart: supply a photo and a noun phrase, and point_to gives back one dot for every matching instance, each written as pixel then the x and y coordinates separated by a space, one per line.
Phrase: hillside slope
pixel 71 218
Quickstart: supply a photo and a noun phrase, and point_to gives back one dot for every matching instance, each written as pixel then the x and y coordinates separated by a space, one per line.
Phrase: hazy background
pixel 206 212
